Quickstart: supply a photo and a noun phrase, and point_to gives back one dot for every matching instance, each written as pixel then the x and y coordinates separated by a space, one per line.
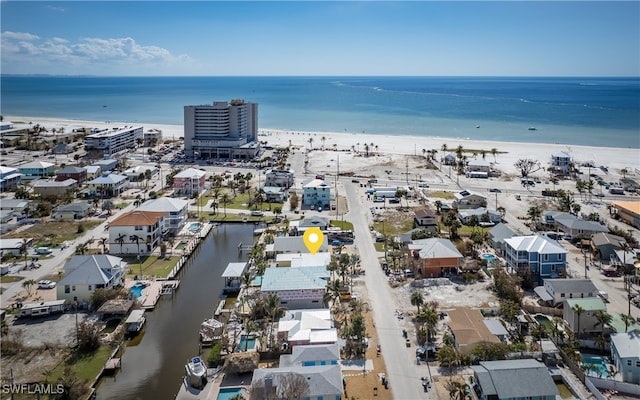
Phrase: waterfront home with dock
pixel 135 322
pixel 232 276
pixel 84 274
pixel 136 232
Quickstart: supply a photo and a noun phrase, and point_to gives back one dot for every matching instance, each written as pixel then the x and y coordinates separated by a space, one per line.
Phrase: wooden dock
pixel 151 294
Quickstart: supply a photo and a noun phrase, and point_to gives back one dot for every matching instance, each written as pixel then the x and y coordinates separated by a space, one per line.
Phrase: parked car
pixel 257 213
pixel 611 273
pixel 336 243
pixel 46 284
pixel 495 190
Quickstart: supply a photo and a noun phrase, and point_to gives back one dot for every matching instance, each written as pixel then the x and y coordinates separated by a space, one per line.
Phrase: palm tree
pixel 578 310
pixel 323 140
pixel 534 213
pixel 28 284
pixel 120 241
pixel 417 299
pixel 627 320
pixel 103 242
pixel 494 151
pixel 438 205
pixel 225 200
pixel 274 308
pixel 602 318
pixel 538 333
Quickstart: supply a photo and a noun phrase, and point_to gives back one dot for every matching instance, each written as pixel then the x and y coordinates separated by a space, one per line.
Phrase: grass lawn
pixel 10 278
pixel 442 195
pixel 85 366
pixel 344 225
pixel 395 227
pixel 153 265
pixel 60 230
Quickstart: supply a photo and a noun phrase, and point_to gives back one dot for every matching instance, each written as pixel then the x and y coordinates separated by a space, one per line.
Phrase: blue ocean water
pixel 578 111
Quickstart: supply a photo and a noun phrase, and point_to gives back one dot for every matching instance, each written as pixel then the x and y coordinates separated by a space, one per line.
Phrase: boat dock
pixel 112 365
pixel 151 294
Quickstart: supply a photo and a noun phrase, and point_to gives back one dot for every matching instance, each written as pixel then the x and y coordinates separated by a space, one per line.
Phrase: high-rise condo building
pixel 222 130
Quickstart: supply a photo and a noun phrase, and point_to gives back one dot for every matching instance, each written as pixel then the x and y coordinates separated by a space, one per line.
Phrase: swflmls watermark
pixel 32 388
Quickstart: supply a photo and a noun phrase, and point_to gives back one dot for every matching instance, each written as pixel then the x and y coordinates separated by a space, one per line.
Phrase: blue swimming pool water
pixel 136 290
pixel 599 363
pixel 489 257
pixel 194 226
pixel 228 393
pixel 248 343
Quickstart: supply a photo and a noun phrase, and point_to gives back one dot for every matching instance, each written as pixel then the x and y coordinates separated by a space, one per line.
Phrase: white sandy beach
pixel 614 158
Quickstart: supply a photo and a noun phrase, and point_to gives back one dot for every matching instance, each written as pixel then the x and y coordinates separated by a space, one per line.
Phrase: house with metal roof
pixel 539 256
pixel 9 177
pixel 425 219
pixel 498 234
pixel 18 205
pixel 572 225
pixel 106 165
pixel 555 291
pixel 297 260
pixel 293 244
pixel 13 246
pixel 108 185
pixel 584 320
pixel 275 194
pixel 174 209
pixel 317 193
pixel 513 379
pixel 310 355
pixel 54 188
pixel 625 353
pixel 482 214
pixel 296 287
pixel 72 172
pixel 435 256
pixel 189 181
pixel 84 274
pixel 232 276
pixel 36 170
pixel 325 381
pixel 307 327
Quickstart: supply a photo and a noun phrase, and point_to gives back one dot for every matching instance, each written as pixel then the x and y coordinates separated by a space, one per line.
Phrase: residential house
pixel 301 260
pixel 450 159
pixel 425 219
pixel 468 329
pixel 298 227
pixel 513 380
pixel 279 178
pixel 17 205
pixel 106 165
pixel 586 321
pixel 93 171
pixel 495 326
pixel 14 246
pixel 627 211
pixel 151 137
pixel 232 276
pixel 136 232
pixel 316 193
pixel 435 256
pixel 84 274
pixel 138 173
pixel 325 381
pixel 497 235
pixel 189 182
pixel 275 194
pixel 36 170
pixel 605 245
pixel 296 287
pixel 572 225
pixel 108 185
pixel 72 172
pixel 555 291
pixel 468 199
pixel 625 353
pixel 174 209
pixel 307 327
pixel 561 162
pixel 9 178
pixel 311 355
pixel 484 216
pixel 538 256
pixel 55 188
pixel 62 148
pixel 73 211
pixel 478 169
pixel 292 244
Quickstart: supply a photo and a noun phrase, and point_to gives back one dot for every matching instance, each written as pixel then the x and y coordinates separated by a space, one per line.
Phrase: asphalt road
pixel 404 377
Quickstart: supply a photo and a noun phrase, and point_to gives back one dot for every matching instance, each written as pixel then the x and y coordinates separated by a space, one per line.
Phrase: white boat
pixel 196 372
pixel 210 331
pixel 135 321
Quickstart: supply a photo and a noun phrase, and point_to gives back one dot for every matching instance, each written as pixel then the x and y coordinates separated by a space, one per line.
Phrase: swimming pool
pixel 544 321
pixel 230 392
pixel 597 366
pixel 137 289
pixel 194 226
pixel 247 343
pixel 489 257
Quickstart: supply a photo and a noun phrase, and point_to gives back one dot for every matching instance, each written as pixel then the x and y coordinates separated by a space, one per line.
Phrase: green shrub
pixel 214 358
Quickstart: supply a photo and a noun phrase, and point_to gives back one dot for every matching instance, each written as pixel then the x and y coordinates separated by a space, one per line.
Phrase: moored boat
pixel 196 372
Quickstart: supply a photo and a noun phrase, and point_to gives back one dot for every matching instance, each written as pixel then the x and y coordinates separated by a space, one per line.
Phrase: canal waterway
pixel 153 368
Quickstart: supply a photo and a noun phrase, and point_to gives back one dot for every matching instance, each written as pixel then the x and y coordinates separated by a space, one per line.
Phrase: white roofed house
pixel 232 276
pixel 9 178
pixel 561 162
pixel 275 194
pixel 174 209
pixel 293 244
pixel 307 327
pixel 55 188
pixel 317 193
pixel 279 178
pixel 37 170
pixel 556 291
pixel 484 216
pixel 498 234
pixel 435 256
pixel 189 182
pixel 84 274
pixel 136 232
pixel 625 352
pixel 572 225
pixel 537 257
pixel 298 227
pixel 513 379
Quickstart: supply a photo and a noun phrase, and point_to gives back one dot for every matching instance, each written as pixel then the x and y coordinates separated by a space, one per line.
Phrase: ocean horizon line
pixel 330 76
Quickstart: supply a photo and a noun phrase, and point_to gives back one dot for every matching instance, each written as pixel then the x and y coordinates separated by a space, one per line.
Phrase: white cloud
pixel 89 55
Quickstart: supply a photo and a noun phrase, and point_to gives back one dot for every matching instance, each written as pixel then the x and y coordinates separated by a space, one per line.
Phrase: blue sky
pixel 418 38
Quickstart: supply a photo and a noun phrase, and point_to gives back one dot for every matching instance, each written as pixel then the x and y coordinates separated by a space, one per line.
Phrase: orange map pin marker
pixel 313 239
